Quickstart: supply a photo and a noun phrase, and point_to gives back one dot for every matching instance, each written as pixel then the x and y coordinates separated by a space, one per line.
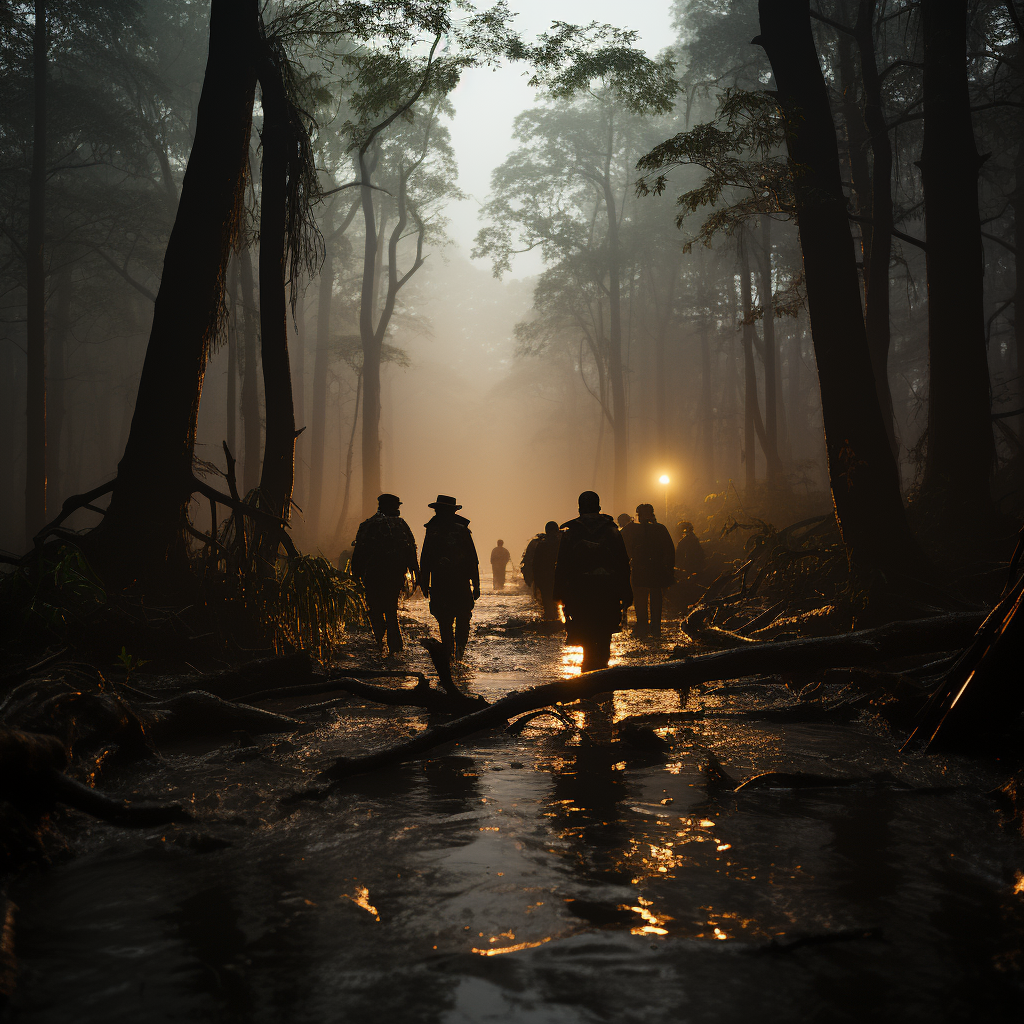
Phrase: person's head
pixel 589 502
pixel 501 543
pixel 388 504
pixel 645 513
pixel 445 505
pixel 623 518
pixel 551 527
pixel 685 528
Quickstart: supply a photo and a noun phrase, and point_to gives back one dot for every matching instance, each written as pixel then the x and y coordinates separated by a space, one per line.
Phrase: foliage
pixel 48 598
pixel 740 150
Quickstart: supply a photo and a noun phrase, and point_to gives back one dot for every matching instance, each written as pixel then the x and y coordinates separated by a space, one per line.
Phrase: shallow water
pixel 535 879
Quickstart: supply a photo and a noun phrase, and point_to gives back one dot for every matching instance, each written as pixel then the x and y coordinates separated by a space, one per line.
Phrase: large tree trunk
pixel 371 346
pixel 297 354
pixel 770 357
pixel 615 369
pixel 143 533
pixel 877 234
pixel 278 474
pixel 1018 259
pixel 250 370
pixel 231 398
pixel 862 470
pixel 35 471
pixel 960 444
pixel 56 377
pixel 318 427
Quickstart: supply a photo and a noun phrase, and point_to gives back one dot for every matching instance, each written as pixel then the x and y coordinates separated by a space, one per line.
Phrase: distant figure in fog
pixel 545 557
pixel 499 563
pixel 592 580
pixel 383 552
pixel 689 554
pixel 526 563
pixel 622 519
pixel 652 568
pixel 450 573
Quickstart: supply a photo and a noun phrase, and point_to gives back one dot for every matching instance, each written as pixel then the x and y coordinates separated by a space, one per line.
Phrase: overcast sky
pixel 487 101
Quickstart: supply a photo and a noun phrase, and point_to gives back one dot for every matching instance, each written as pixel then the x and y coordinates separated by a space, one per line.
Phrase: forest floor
pixel 559 875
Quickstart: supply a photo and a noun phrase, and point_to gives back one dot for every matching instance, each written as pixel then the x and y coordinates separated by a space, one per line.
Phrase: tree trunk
pixel 56 377
pixel 35 463
pixel 339 534
pixel 961 449
pixel 318 426
pixel 250 389
pixel 371 349
pixel 278 474
pixel 770 357
pixel 615 368
pixel 143 534
pixel 232 390
pixel 1018 259
pixel 862 470
pixel 877 234
pixel 297 354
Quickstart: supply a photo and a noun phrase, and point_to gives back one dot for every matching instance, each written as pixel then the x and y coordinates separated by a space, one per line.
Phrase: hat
pixel 388 499
pixel 445 501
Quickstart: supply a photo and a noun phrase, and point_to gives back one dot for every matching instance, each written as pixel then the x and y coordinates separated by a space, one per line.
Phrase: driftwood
pixel 197 713
pixel 981 695
pixel 31 778
pixel 816 654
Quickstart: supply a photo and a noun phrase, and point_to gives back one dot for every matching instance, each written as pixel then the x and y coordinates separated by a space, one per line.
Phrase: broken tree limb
pixel 72 504
pixel 809 655
pixel 117 812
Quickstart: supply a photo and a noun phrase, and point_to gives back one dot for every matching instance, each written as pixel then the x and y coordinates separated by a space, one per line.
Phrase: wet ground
pixel 544 878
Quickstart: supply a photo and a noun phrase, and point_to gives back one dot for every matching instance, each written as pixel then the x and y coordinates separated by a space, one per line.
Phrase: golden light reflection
pixel 561 615
pixel 362 900
pixel 512 949
pixel 572 662
pixel 654 921
pixel 1019 885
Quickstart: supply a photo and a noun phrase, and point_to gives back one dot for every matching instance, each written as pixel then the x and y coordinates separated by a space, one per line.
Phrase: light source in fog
pixel 664 481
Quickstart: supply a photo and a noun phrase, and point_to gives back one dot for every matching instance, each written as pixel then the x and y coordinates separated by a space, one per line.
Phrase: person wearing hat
pixel 592 580
pixel 450 573
pixel 383 553
pixel 652 558
pixel 499 563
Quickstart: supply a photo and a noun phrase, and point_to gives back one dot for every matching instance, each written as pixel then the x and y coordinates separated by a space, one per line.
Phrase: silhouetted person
pixel 545 556
pixel 526 563
pixel 450 573
pixel 383 552
pixel 592 580
pixel 652 567
pixel 689 554
pixel 499 563
pixel 345 557
pixel 622 519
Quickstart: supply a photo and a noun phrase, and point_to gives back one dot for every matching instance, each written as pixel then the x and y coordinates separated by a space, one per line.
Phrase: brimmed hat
pixel 445 501
pixel 388 499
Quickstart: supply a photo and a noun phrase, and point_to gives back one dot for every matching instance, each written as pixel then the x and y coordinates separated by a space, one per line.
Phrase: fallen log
pixel 815 654
pixel 198 713
pixel 118 812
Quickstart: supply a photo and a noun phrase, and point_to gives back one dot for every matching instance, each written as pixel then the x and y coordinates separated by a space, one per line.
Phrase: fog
pixel 514 421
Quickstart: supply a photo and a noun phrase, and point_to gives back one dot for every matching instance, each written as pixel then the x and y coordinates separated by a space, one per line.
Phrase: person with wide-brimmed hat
pixel 592 580
pixel 383 554
pixel 450 573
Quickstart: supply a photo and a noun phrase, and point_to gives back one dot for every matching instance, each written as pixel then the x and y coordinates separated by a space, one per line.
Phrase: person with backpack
pixel 592 580
pixel 383 553
pixel 652 558
pixel 450 573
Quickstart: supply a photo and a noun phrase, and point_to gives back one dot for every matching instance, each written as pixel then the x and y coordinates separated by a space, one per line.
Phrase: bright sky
pixel 486 101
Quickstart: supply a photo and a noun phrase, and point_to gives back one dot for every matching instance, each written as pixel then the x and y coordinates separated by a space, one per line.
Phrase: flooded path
pixel 536 879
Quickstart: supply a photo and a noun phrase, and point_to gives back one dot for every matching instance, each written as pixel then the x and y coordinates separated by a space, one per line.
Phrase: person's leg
pixel 446 627
pixel 597 649
pixel 462 631
pixel 640 606
pixel 656 595
pixel 394 630
pixel 375 613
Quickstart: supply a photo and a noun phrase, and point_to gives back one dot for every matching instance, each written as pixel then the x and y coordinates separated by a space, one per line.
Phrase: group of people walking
pixel 591 567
